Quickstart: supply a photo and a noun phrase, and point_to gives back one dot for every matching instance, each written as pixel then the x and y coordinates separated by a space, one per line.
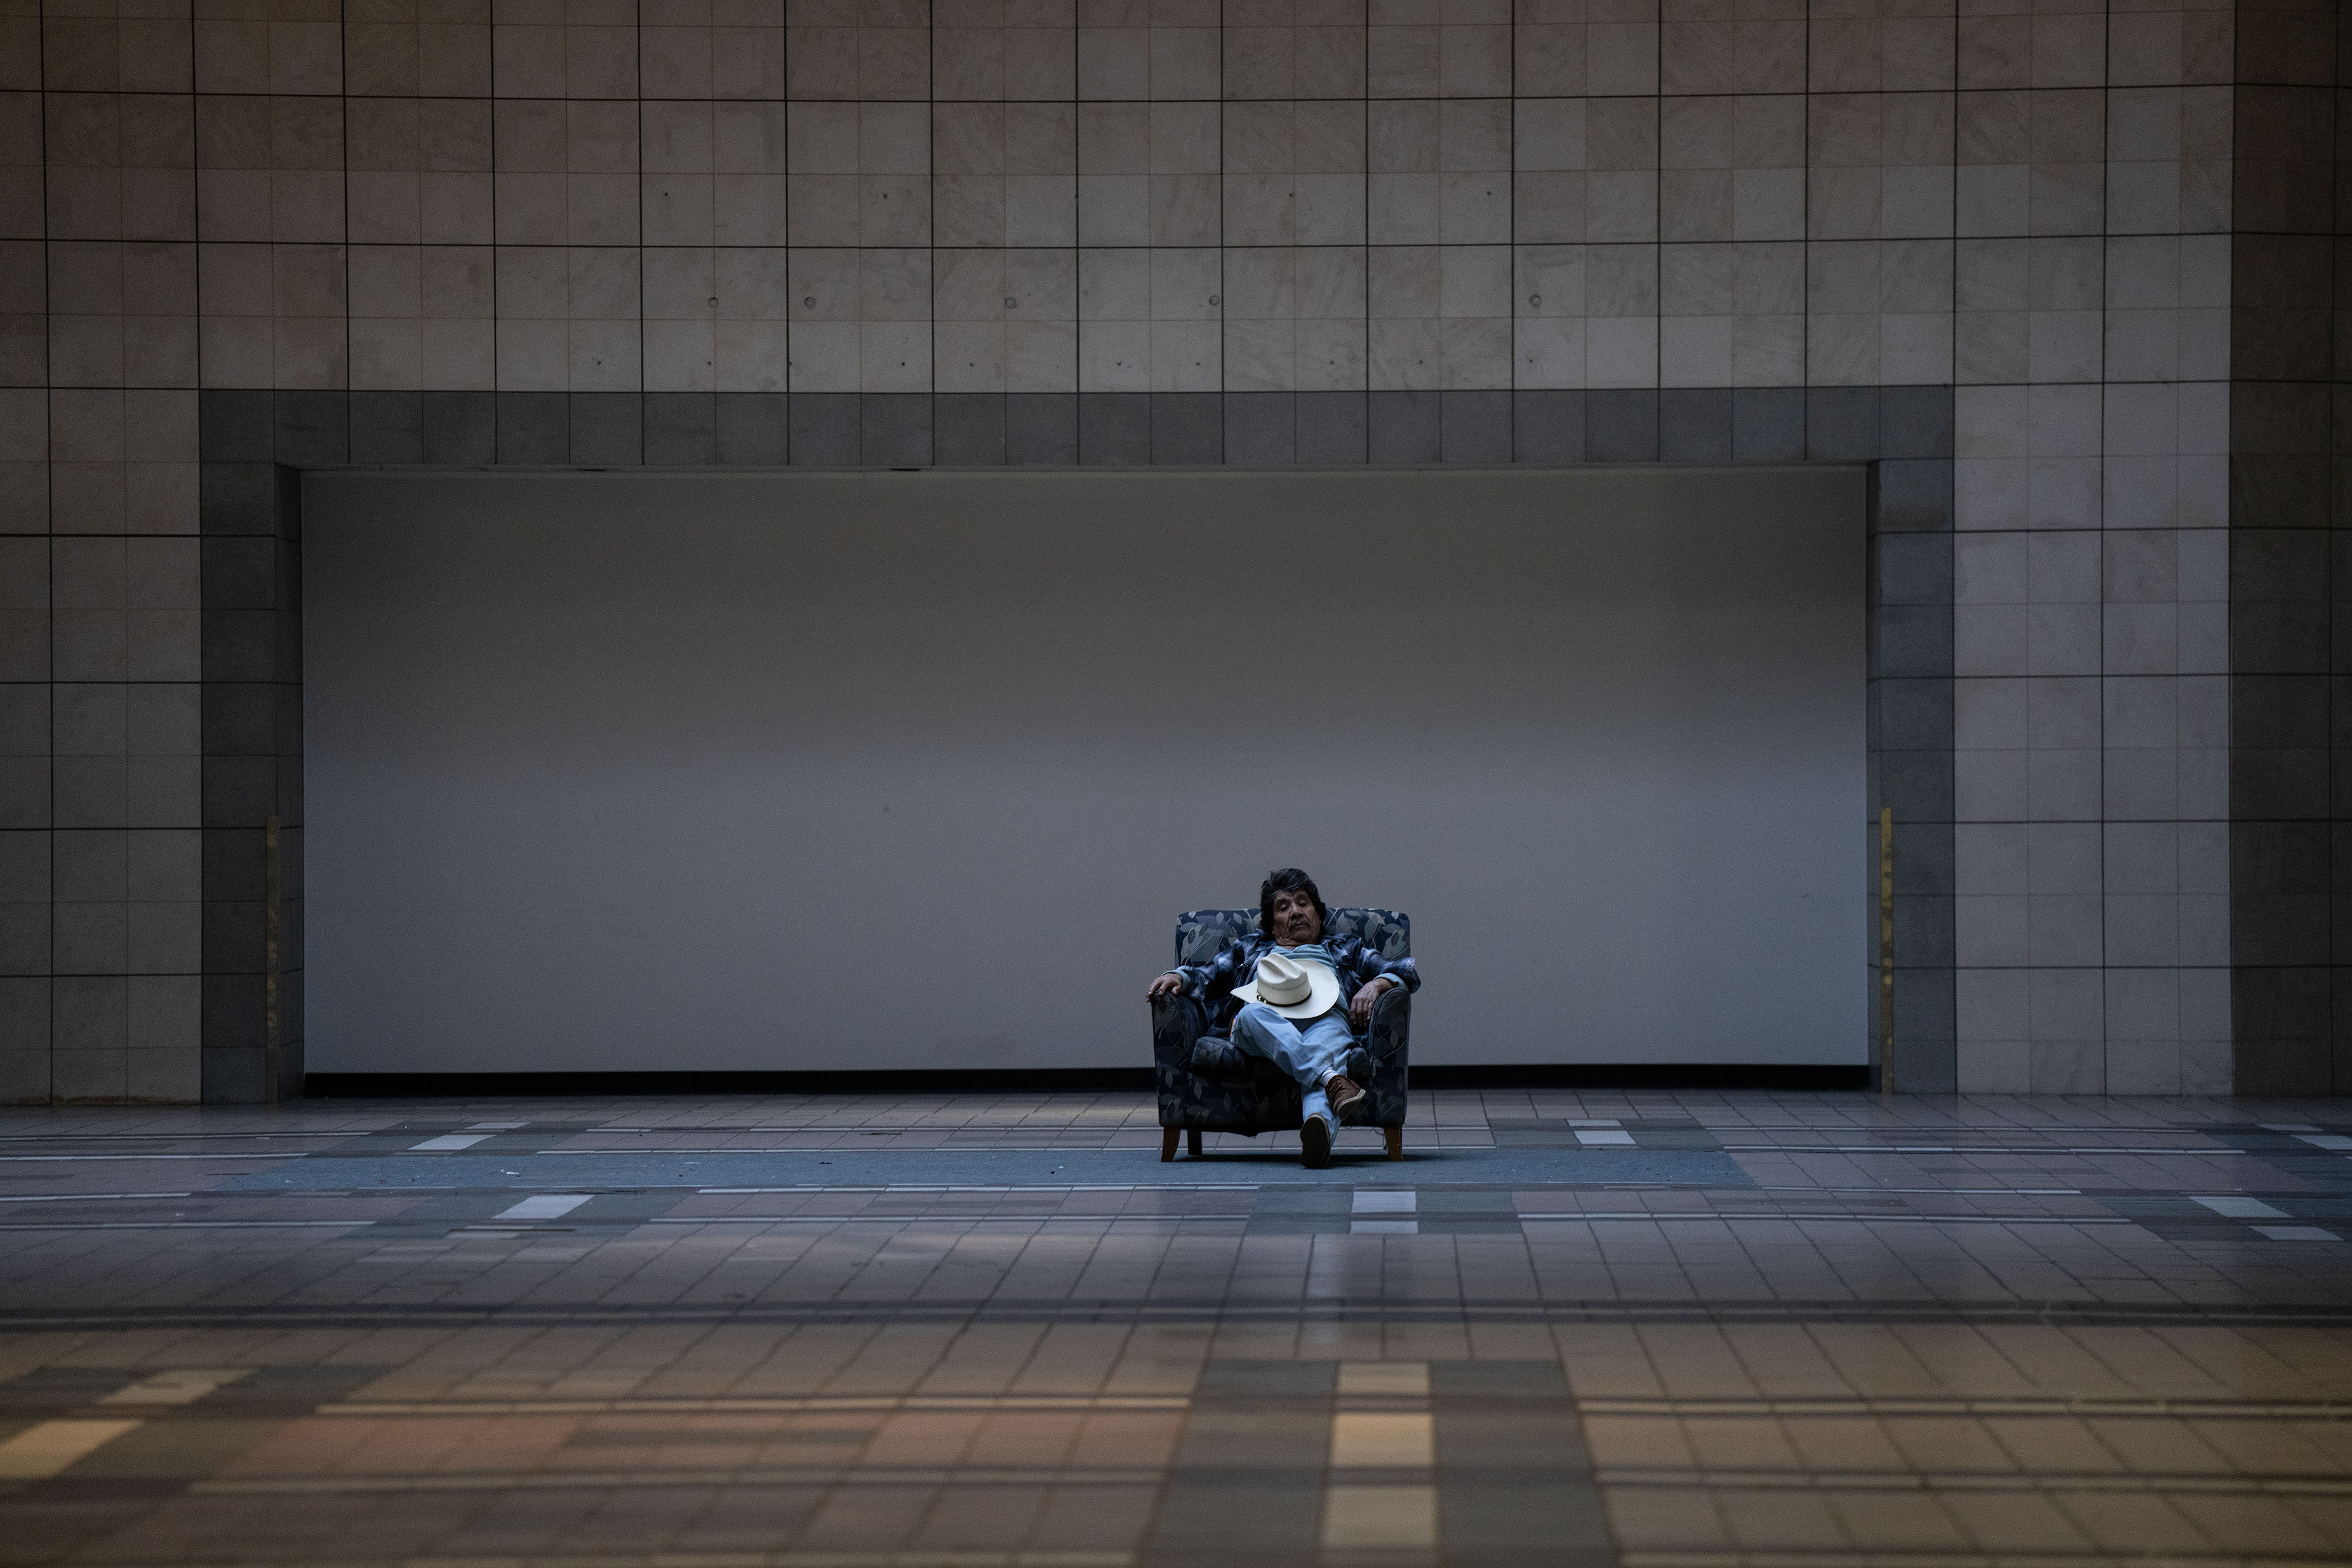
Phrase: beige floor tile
pixel 305 1448
pixel 46 1448
pixel 893 1361
pixel 984 1359
pixel 2055 1359
pixel 2323 1355
pixel 2132 1522
pixel 1658 1518
pixel 1697 1361
pixel 2333 1439
pixel 2059 1444
pixel 1890 1521
pixel 868 1518
pixel 2261 1525
pixel 1386 1440
pixel 1158 1358
pixel 1953 1442
pixel 2275 1448
pixel 1641 1441
pixel 2330 1516
pixel 924 1438
pixel 1876 1360
pixel 968 1519
pixel 1511 1341
pixel 1843 1443
pixel 1384 1519
pixel 1250 1340
pixel 2013 1521
pixel 2151 1364
pixel 1776 1521
pixel 1037 1439
pixel 1785 1360
pixel 1341 1341
pixel 2158 1447
pixel 1092 1518
pixel 1072 1358
pixel 1425 1342
pixel 1961 1361
pixel 1099 1294
pixel 1143 1441
pixel 1734 1442
pixel 1606 1360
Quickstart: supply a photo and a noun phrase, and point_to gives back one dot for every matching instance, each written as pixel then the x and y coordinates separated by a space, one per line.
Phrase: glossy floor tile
pixel 1644 1327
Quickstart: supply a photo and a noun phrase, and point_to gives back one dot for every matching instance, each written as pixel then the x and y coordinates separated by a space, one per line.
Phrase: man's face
pixel 1295 920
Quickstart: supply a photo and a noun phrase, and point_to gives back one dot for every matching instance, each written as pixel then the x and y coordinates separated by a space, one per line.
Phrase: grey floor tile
pixel 2003 1295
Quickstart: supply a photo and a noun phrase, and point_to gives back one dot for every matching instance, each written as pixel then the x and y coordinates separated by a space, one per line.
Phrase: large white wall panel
pixel 911 771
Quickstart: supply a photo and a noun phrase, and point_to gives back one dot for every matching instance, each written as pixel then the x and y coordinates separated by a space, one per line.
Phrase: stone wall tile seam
pixel 1660 422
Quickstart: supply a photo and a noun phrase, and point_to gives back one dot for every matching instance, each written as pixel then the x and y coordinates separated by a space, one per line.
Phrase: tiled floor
pixel 1653 1329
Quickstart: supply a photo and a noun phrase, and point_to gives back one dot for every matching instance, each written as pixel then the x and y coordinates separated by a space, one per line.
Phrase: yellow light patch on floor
pixel 179 1386
pixel 1384 1379
pixel 1394 1439
pixel 39 1452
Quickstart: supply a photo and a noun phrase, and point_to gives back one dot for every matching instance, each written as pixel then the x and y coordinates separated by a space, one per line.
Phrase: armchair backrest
pixel 1201 932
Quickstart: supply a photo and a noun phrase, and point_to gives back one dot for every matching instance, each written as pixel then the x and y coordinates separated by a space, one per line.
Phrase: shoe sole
pixel 1314 1144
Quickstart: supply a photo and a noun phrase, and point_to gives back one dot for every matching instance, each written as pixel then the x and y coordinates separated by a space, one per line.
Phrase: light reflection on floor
pixel 1926 1331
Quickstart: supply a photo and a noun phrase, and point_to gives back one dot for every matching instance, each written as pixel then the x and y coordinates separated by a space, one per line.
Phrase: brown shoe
pixel 1315 1143
pixel 1344 1093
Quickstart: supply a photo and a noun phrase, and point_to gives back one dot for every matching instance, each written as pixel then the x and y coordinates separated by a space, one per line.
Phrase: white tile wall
pixel 2090 343
pixel 2030 201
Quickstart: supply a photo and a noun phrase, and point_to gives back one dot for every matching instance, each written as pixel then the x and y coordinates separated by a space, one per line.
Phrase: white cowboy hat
pixel 1293 988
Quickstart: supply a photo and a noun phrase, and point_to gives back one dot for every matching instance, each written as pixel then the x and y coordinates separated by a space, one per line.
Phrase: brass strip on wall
pixel 1887 949
pixel 270 1031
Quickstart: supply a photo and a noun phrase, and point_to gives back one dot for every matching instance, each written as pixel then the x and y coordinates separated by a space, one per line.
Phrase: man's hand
pixel 1361 1007
pixel 1167 985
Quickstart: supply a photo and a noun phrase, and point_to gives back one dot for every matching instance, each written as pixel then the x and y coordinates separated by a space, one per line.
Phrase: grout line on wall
pixel 637 76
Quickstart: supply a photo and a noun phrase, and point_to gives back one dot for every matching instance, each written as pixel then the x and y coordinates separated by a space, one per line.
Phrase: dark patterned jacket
pixel 1358 966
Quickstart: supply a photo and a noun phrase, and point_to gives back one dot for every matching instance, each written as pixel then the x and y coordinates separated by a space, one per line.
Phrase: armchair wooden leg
pixel 1168 1144
pixel 1395 1137
pixel 1193 1143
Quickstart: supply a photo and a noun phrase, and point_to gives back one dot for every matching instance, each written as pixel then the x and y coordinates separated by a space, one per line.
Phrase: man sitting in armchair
pixel 1279 989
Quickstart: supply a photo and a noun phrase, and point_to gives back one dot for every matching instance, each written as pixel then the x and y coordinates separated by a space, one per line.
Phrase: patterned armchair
pixel 1207 1084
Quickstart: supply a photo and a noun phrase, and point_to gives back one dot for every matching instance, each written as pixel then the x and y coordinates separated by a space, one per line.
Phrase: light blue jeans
pixel 1310 1055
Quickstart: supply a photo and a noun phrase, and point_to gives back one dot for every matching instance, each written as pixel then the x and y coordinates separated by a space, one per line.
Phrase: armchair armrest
pixel 1176 1022
pixel 1392 1022
pixel 1391 1026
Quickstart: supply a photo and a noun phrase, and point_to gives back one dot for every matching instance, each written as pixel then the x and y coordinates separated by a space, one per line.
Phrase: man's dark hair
pixel 1289 879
